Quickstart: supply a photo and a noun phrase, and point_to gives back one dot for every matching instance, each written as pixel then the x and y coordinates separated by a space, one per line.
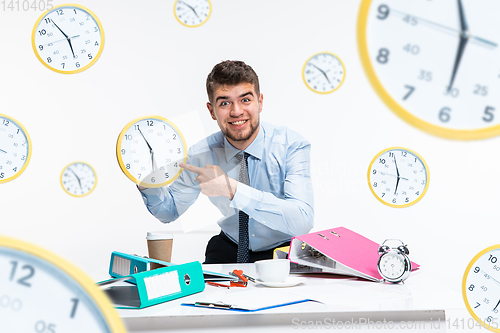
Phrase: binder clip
pixel 242 279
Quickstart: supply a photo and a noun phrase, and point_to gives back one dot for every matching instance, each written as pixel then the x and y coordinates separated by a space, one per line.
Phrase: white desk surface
pixel 419 301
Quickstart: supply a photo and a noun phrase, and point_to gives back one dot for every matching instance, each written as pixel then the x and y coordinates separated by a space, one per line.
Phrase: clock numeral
pixel 42 327
pixel 150 122
pixel 492 259
pixel 488 115
pixel 453 92
pixel 413 49
pixel 383 11
pixel 42 32
pixel 425 75
pixel 381 160
pixel 383 56
pixel 60 12
pixel 471 287
pixel 444 114
pixel 22 280
pixel 481 90
pixel 75 305
pixel 411 20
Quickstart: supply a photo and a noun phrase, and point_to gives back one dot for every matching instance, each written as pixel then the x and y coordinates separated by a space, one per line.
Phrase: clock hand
pixel 78 178
pixel 194 11
pixel 496 306
pixel 464 38
pixel 3 151
pixel 150 150
pixel 61 40
pixel 397 172
pixel 451 31
pixel 67 37
pixel 389 174
pixel 322 71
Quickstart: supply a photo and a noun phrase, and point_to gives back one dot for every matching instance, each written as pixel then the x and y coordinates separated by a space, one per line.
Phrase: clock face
pixel 68 39
pixel 192 13
pixel 436 64
pixel 481 287
pixel 78 179
pixel 149 151
pixel 42 293
pixel 323 73
pixel 398 177
pixel 15 148
pixel 392 266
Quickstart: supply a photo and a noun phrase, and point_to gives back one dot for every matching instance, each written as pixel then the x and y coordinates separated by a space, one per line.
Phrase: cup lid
pixel 159 235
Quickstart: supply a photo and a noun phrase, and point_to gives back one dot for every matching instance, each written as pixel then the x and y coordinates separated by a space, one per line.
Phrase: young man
pixel 257 174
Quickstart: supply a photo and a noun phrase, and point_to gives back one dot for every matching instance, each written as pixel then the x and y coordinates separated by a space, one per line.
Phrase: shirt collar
pixel 256 148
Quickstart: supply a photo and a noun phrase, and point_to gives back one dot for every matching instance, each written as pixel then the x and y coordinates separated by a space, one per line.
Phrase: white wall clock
pixel 44 293
pixel 398 177
pixel 149 150
pixel 436 64
pixel 323 73
pixel 68 39
pixel 481 288
pixel 192 13
pixel 78 179
pixel 15 148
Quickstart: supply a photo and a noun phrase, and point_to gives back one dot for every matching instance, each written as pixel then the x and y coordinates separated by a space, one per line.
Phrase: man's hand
pixel 213 181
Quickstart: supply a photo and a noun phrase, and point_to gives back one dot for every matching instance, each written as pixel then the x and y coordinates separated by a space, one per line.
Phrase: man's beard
pixel 240 136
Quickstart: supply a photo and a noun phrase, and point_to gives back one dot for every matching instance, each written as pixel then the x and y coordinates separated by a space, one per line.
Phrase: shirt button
pixel 253 235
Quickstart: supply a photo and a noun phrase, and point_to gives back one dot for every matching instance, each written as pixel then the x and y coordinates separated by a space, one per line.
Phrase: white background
pixel 151 64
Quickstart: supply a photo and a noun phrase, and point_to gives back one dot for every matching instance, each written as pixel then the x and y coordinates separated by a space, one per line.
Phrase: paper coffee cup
pixel 159 247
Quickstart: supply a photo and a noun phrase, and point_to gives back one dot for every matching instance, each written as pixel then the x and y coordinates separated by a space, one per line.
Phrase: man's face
pixel 237 109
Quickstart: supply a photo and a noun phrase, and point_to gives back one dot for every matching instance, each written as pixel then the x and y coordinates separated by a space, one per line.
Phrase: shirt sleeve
pixel 292 214
pixel 169 202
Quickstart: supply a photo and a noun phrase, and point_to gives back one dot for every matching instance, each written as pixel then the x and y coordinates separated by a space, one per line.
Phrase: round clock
pixel 43 293
pixel 481 287
pixel 393 264
pixel 435 64
pixel 398 177
pixel 78 179
pixel 68 39
pixel 149 150
pixel 192 13
pixel 15 148
pixel 323 73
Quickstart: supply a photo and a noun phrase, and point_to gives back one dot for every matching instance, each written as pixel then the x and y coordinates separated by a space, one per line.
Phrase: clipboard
pixel 155 286
pixel 123 264
pixel 338 251
pixel 250 301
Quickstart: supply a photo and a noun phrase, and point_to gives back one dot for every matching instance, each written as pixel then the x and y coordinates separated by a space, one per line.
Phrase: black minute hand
pixel 464 38
pixel 67 38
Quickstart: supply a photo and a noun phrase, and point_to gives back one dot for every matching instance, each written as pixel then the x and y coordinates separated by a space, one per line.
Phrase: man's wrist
pixel 233 184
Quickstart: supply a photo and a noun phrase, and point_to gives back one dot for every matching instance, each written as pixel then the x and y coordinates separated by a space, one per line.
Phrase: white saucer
pixel 289 282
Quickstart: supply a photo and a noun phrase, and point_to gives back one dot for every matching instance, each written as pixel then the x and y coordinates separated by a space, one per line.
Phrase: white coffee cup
pixel 272 270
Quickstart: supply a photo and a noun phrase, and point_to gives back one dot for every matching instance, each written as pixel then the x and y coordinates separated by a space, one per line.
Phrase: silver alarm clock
pixel 394 264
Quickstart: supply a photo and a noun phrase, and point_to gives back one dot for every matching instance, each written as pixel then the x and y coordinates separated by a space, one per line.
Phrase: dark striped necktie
pixel 243 217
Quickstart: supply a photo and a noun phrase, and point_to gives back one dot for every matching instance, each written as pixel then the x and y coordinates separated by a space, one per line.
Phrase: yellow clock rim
pixel 105 306
pixel 464 286
pixel 75 195
pixel 426 171
pixel 197 25
pixel 29 149
pixel 122 165
pixel 425 126
pixel 304 76
pixel 101 48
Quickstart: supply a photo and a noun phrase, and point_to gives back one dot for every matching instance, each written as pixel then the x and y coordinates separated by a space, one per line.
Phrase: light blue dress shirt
pixel 279 199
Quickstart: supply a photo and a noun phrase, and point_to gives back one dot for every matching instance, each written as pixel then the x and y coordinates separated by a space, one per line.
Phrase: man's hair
pixel 231 73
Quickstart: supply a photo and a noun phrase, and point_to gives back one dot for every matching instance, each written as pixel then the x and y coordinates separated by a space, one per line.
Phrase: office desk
pixel 348 303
